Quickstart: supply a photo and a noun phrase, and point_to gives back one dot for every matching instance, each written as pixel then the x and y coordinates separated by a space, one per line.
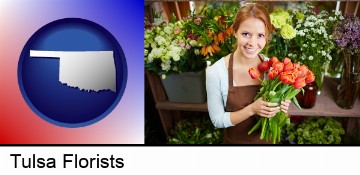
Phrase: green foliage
pixel 196 131
pixel 315 130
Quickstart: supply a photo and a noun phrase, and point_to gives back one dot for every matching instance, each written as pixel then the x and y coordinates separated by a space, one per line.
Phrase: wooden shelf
pixel 182 106
pixel 325 104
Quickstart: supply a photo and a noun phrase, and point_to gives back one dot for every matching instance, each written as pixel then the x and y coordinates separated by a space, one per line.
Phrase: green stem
pixel 257 125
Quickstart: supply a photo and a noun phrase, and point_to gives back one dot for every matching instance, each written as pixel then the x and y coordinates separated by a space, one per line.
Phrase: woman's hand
pixel 266 109
pixel 285 105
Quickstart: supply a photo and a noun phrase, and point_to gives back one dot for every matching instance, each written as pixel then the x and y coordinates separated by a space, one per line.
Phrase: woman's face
pixel 251 37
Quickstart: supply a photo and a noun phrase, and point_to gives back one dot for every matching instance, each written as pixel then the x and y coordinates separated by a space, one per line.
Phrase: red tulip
pixel 303 69
pixel 310 77
pixel 287 77
pixel 264 66
pixel 299 83
pixel 297 72
pixel 254 73
pixel 272 74
pixel 296 65
pixel 273 60
pixel 286 60
pixel 279 66
pixel 288 67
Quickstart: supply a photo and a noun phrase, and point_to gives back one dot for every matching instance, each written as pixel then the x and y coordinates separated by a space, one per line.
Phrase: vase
pixel 348 88
pixel 308 99
pixel 187 87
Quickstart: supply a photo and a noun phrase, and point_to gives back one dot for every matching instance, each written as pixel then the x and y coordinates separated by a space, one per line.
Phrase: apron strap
pixel 230 72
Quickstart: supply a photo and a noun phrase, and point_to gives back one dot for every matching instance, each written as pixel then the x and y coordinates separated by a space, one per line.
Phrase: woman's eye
pixel 246 35
pixel 261 36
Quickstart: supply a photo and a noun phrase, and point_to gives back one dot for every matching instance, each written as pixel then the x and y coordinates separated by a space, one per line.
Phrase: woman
pixel 230 89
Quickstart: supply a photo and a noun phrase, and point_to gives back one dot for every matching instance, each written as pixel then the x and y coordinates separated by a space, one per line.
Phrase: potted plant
pixel 315 130
pixel 195 131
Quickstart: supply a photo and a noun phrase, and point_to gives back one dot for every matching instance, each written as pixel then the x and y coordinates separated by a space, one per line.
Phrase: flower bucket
pixel 187 87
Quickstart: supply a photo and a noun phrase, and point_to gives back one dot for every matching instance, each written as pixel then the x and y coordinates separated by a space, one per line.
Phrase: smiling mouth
pixel 250 50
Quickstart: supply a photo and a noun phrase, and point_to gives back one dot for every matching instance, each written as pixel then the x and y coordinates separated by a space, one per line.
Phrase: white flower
pixel 153 45
pixel 193 43
pixel 168 30
pixel 323 53
pixel 165 65
pixel 160 40
pixel 196 51
pixel 311 57
pixel 337 12
pixel 150 58
pixel 329 57
pixel 146 44
pixel 208 135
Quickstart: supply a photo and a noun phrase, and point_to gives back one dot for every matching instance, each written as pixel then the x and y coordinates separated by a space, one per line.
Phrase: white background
pixel 170 160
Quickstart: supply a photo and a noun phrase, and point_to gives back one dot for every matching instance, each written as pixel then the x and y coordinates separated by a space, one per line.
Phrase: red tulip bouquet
pixel 284 81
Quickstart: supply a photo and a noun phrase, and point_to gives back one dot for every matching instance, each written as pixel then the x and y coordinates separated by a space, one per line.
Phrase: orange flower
pixel 288 67
pixel 210 49
pixel 273 60
pixel 296 65
pixel 279 66
pixel 229 31
pixel 221 37
pixel 272 74
pixel 254 73
pixel 310 77
pixel 297 72
pixel 216 47
pixel 303 69
pixel 299 83
pixel 287 77
pixel 264 66
pixel 286 60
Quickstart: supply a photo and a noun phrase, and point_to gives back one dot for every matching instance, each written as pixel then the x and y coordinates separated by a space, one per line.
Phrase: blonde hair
pixel 255 11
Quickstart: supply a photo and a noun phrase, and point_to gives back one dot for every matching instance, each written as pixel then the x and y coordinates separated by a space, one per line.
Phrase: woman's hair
pixel 255 11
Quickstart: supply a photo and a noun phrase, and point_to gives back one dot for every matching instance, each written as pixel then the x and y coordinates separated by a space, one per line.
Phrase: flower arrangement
pixel 347 37
pixel 186 45
pixel 284 81
pixel 284 32
pixel 346 34
pixel 164 45
pixel 211 29
pixel 305 36
pixel 313 42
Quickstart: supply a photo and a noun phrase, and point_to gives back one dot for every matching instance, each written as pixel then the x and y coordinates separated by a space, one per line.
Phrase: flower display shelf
pixel 325 105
